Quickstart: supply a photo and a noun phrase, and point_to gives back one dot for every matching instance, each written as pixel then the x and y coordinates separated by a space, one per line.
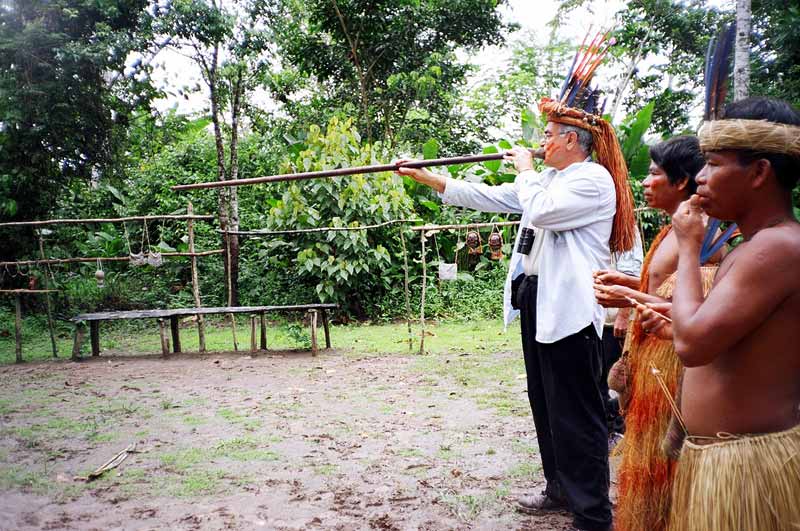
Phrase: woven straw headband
pixel 760 136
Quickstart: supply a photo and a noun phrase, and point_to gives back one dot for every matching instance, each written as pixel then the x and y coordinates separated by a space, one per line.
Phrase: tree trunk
pixel 228 199
pixel 741 69
pixel 233 193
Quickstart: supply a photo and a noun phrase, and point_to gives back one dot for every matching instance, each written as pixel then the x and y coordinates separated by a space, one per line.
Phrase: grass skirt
pixel 747 482
pixel 644 480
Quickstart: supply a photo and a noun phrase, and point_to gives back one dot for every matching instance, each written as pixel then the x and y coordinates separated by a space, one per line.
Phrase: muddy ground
pixel 270 441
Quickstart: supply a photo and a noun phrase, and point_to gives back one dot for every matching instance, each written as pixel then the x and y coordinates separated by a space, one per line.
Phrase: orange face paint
pixel 549 149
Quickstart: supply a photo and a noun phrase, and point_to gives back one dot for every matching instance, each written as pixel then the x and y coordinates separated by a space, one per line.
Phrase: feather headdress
pixel 717 72
pixel 578 104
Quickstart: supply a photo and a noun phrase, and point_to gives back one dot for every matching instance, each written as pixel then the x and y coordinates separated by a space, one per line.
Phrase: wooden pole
pixel 406 290
pixel 422 299
pixel 327 328
pixel 359 170
pixel 314 348
pixel 263 316
pixel 162 331
pixel 18 325
pixel 230 292
pixel 253 339
pixel 317 229
pixel 96 220
pixel 94 259
pixel 94 336
pixel 50 325
pixel 80 332
pixel 426 228
pixel 175 328
pixel 201 325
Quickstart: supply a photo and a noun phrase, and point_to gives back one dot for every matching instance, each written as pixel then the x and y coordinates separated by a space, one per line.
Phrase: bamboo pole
pixel 405 289
pixel 422 299
pixel 50 325
pixel 317 229
pixel 358 170
pixel 18 326
pixel 201 325
pixel 230 293
pixel 94 259
pixel 97 220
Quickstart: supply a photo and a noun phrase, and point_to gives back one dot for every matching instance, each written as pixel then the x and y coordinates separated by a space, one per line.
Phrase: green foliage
pixel 61 117
pixel 346 266
pixel 392 62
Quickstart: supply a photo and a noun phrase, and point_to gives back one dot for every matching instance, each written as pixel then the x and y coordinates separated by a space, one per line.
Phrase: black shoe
pixel 540 503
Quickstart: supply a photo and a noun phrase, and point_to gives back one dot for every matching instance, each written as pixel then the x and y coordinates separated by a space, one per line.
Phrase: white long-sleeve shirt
pixel 574 212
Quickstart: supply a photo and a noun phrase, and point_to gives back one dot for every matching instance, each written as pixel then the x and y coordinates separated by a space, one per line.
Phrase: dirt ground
pixel 270 441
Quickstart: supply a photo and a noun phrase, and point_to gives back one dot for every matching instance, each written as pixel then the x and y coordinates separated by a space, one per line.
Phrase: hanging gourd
pixel 496 245
pixel 474 242
pixel 100 275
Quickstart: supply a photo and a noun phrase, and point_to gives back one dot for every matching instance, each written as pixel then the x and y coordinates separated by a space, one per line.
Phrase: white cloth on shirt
pixel 574 212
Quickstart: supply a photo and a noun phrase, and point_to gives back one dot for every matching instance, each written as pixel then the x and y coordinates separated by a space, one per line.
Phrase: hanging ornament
pixel 154 258
pixel 100 275
pixel 137 259
pixel 474 242
pixel 496 245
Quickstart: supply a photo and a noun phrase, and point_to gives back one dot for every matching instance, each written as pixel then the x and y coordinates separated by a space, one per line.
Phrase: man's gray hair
pixel 584 137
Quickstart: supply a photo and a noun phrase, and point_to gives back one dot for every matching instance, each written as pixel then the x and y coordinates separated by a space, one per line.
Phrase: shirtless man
pixel 645 474
pixel 670 181
pixel 741 345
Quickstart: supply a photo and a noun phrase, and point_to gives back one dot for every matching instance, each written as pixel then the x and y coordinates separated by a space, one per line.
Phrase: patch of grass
pixel 198 483
pixel 446 452
pixel 244 449
pixel 503 403
pixel 193 420
pixel 183 460
pixel 234 417
pixel 19 478
pixel 6 407
pixel 326 470
pixel 102 437
pixel 526 471
pixel 410 452
pixel 466 507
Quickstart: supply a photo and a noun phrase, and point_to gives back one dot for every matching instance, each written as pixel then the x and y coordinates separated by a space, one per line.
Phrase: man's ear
pixel 682 184
pixel 572 140
pixel 760 172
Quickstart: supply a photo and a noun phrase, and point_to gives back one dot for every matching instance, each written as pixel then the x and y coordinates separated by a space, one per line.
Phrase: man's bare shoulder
pixel 773 250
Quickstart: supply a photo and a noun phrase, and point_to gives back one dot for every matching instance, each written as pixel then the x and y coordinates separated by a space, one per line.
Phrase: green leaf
pixel 430 205
pixel 492 165
pixel 430 150
pixel 529 125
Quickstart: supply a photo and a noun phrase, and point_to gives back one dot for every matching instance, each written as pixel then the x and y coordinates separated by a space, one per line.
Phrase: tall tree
pixel 64 104
pixel 392 61
pixel 230 45
pixel 741 69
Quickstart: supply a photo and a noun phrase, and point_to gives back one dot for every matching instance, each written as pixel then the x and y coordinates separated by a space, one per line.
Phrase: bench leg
pixel 94 333
pixel 253 338
pixel 176 335
pixel 80 332
pixel 263 331
pixel 314 346
pixel 326 326
pixel 162 331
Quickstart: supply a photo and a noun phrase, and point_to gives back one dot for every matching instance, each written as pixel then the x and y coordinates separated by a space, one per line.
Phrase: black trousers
pixel 612 350
pixel 568 407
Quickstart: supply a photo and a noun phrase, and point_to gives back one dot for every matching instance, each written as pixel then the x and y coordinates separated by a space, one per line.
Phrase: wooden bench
pixel 94 323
